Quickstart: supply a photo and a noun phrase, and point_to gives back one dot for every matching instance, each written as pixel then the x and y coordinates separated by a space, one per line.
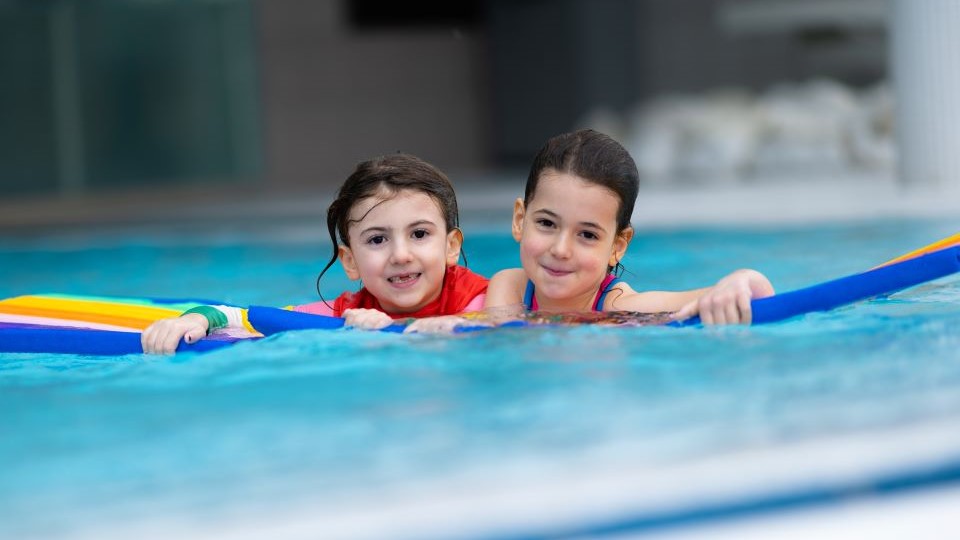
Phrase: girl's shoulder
pixel 622 286
pixel 506 287
pixel 510 275
pixel 462 273
pixel 616 292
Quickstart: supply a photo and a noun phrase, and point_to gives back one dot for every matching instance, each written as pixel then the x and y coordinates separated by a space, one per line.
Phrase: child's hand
pixel 444 324
pixel 163 336
pixel 728 302
pixel 366 319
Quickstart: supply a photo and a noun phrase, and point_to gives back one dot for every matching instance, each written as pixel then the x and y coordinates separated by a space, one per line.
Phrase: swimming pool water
pixel 502 433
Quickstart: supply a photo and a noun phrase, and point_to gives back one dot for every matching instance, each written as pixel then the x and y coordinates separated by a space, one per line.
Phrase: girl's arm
pixel 727 302
pixel 624 298
pixel 366 319
pixel 163 336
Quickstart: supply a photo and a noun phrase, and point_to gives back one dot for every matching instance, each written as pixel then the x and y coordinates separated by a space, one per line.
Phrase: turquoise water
pixel 312 428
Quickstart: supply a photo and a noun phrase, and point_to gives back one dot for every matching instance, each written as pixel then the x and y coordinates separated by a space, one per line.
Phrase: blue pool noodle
pixel 854 288
pixel 271 320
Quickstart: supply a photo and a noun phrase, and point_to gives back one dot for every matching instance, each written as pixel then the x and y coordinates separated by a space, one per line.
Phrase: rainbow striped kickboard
pixel 93 325
pixel 52 323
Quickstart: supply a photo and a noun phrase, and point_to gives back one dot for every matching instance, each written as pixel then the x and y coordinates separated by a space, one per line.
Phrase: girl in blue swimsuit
pixel 530 300
pixel 573 227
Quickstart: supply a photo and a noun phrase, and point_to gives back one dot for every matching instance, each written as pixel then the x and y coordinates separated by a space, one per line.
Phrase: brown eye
pixel 543 222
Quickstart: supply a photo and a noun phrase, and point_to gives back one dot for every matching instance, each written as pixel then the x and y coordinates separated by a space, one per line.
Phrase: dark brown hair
pixel 391 173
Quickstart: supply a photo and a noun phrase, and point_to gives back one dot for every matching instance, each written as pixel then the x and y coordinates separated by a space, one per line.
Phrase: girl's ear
pixel 620 244
pixel 454 244
pixel 348 262
pixel 518 212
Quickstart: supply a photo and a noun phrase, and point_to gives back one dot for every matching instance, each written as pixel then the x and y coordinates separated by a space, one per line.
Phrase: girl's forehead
pixel 555 185
pixel 396 204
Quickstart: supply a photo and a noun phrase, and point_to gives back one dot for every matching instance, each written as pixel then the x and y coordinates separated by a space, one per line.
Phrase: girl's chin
pixel 400 306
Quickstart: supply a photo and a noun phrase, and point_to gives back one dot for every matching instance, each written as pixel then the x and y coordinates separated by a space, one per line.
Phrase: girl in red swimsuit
pixel 393 226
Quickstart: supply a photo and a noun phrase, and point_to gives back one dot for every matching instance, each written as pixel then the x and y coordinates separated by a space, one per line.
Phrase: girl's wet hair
pixel 387 175
pixel 594 157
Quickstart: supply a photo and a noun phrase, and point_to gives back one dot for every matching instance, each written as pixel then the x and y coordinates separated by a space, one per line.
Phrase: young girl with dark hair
pixel 394 226
pixel 573 227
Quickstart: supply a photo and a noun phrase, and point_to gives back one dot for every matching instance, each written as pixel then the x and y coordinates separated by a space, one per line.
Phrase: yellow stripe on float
pixel 101 312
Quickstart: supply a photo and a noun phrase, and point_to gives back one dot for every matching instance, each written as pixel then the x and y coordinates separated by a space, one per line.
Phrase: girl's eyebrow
pixel 556 216
pixel 549 213
pixel 375 228
pixel 420 222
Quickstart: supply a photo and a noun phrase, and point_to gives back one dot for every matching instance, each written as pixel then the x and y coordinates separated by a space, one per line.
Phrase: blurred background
pixel 118 106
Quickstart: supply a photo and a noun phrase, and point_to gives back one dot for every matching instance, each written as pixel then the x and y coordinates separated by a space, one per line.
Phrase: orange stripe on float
pixel 947 242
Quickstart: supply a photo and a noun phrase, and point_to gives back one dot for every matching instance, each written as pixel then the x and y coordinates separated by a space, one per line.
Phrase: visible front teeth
pixel 403 279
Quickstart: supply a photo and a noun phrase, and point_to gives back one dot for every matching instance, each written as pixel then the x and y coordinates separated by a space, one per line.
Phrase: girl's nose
pixel 561 246
pixel 401 253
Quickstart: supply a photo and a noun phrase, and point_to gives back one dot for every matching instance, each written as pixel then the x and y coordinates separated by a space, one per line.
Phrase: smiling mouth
pixel 556 273
pixel 404 279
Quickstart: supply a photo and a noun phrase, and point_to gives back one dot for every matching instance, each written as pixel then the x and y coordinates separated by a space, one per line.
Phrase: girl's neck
pixel 582 302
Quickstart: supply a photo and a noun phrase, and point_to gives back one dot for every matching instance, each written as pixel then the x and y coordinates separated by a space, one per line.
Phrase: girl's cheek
pixel 528 248
pixel 600 261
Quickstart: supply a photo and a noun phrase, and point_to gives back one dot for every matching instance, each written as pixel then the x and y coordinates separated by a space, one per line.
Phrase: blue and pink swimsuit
pixel 530 299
